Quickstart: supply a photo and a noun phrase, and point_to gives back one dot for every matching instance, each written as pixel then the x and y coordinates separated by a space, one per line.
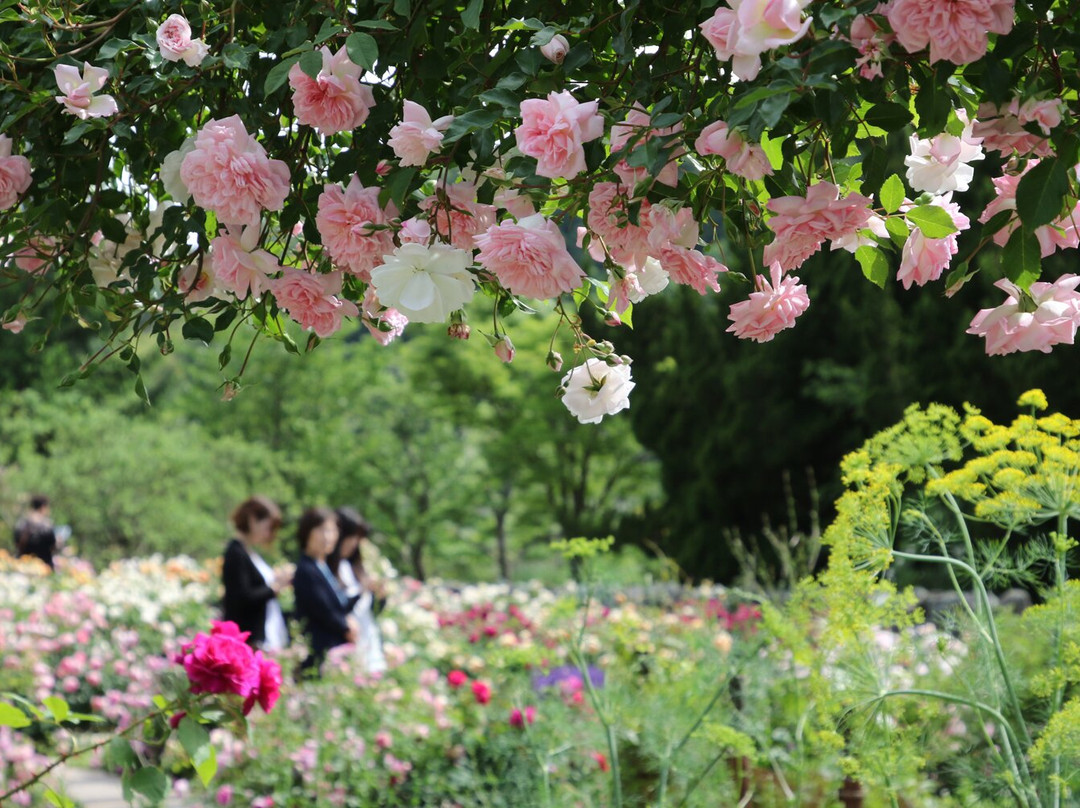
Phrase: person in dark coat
pixel 321 603
pixel 251 586
pixel 34 532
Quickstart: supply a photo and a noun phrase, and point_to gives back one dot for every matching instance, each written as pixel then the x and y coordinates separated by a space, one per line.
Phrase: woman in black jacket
pixel 320 602
pixel 251 587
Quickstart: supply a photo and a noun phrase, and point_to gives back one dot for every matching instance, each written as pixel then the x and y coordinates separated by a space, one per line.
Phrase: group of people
pixel 335 598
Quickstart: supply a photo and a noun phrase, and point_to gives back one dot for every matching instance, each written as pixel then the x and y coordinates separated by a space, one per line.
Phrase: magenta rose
pixel 221 662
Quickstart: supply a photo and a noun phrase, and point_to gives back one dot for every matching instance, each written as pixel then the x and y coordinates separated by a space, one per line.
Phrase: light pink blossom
pixel 924 259
pixel 312 299
pixel 1013 326
pixel 348 222
pixel 636 129
pixel 553 130
pixel 1001 130
pixel 1046 113
pixel 748 28
pixel 238 266
pixel 504 349
pixel 78 91
pixel 17 325
pixel 943 163
pixel 384 324
pixel 456 216
pixel 803 224
pixel 743 159
pixel 35 257
pixel 335 100
pixel 195 284
pixel 1062 233
pixel 771 309
pixel 691 268
pixel 175 43
pixel 417 136
pixel 15 174
pixel 415 231
pixel 871 42
pixel 229 173
pixel 556 49
pixel 955 30
pixel 529 258
pixel 609 224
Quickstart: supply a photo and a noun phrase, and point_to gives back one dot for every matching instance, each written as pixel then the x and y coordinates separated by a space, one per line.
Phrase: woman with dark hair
pixel 347 563
pixel 320 601
pixel 251 587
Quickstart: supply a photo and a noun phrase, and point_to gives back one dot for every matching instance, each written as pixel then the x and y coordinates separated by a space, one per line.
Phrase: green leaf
pixel 140 389
pixel 312 61
pixel 897 229
pixel 1021 260
pixel 1041 194
pixel 57 707
pixel 875 266
pixel 196 742
pixel 150 781
pixel 12 716
pixel 888 116
pixel 119 754
pixel 57 799
pixel 384 25
pixel 892 194
pixel 471 15
pixel 206 765
pixel 278 74
pixel 363 49
pixel 198 329
pixel 935 222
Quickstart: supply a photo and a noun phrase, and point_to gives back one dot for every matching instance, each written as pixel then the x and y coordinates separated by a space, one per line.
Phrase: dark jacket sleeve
pixel 316 602
pixel 243 583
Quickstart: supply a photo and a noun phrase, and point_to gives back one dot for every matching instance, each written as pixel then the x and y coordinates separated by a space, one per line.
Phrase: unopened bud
pixel 383 168
pixel 554 360
pixel 556 49
pixel 612 318
pixel 458 331
pixel 230 391
pixel 504 349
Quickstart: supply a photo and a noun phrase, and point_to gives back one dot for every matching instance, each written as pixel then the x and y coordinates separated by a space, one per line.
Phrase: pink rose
pixel 610 228
pixel 348 222
pixel 456 678
pixel 1012 327
pixel 481 692
pixel 871 42
pixel 221 662
pixel 504 349
pixel 1000 129
pixel 17 325
pixel 636 129
pixel 312 300
pixel 224 795
pixel 750 27
pixel 456 215
pixel 955 31
pixel 803 224
pixel 14 174
pixel 335 100
pixel 268 689
pixel 78 91
pixel 175 42
pixel 384 324
pixel 229 173
pixel 519 718
pixel 415 231
pixel 743 159
pixel 239 267
pixel 529 258
pixel 35 257
pixel 417 136
pixel 1046 113
pixel 691 268
pixel 553 131
pixel 771 309
pixel 924 259
pixel 556 49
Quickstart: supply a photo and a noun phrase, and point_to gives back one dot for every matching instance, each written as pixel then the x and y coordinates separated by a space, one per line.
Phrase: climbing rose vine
pixel 168 169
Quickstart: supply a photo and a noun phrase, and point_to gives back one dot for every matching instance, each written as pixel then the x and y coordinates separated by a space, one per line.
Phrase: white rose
pixel 652 277
pixel 595 389
pixel 940 164
pixel 425 283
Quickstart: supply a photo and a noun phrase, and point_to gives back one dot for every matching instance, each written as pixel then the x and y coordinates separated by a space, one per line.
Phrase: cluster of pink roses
pixel 222 662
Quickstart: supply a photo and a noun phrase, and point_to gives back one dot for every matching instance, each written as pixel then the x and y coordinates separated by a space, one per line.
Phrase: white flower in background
pixel 425 283
pixel 595 389
pixel 941 164
pixel 170 172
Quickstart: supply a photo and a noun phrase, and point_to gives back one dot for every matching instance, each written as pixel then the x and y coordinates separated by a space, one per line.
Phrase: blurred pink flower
pixel 635 131
pixel 384 324
pixel 417 136
pixel 312 299
pixel 691 268
pixel 221 662
pixel 1015 326
pixel 481 691
pixel 224 795
pixel 335 100
pixel 345 221
pixel 519 718
pixel 871 42
pixel 771 309
pixel 803 224
pixel 175 43
pixel 455 214
pixel 609 224
pixel 15 175
pixel 78 91
pixel 553 130
pixel 456 678
pixel 750 27
pixel 955 31
pixel 529 258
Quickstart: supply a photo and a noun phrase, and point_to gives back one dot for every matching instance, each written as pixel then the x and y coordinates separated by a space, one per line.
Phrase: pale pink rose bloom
pixel 195 284
pixel 859 238
pixel 529 258
pixel 803 224
pixel 415 231
pixel 1060 234
pixel 691 268
pixel 15 174
pixel 17 325
pixel 871 42
pixel 1001 130
pixel 312 300
pixel 669 228
pixel 556 49
pixel 458 218
pixel 175 42
pixel 518 205
pixel 636 284
pixel 743 159
pixel 35 257
pixel 238 266
pixel 1008 328
pixel 504 349
pixel 229 173
pixel 345 220
pixel 417 136
pixel 636 129
pixel 771 309
pixel 553 130
pixel 924 259
pixel 1046 113
pixel 751 27
pixel 956 30
pixel 943 163
pixel 610 228
pixel 78 91
pixel 335 100
pixel 384 324
pixel 595 389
